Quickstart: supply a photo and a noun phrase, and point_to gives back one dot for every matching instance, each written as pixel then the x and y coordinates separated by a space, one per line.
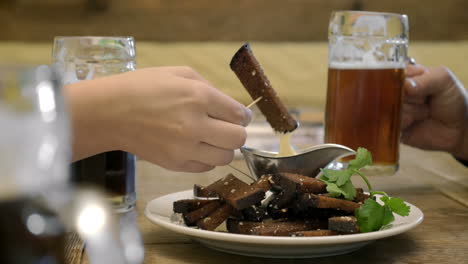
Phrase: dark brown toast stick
pixel 361 197
pixel 192 217
pixel 312 233
pixel 202 192
pixel 263 183
pixel 271 227
pixel 236 192
pixel 188 205
pixel 320 201
pixel 254 213
pixel 213 220
pixel 320 213
pixel 279 206
pixel 302 183
pixel 250 73
pixel 343 224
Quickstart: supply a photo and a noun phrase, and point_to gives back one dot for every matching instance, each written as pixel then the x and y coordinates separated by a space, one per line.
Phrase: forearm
pixel 90 104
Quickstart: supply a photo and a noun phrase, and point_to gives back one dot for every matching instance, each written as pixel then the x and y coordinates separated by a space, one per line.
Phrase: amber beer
pixel 364 110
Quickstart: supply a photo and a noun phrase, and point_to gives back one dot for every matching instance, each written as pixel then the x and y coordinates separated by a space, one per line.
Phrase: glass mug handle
pixel 412 61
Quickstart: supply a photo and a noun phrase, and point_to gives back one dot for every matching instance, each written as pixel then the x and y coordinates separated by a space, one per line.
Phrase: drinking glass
pixel 86 58
pixel 37 204
pixel 367 55
pixel 33 155
pixel 35 139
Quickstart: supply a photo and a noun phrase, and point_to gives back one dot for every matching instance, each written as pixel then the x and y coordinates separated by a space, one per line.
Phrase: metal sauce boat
pixel 306 162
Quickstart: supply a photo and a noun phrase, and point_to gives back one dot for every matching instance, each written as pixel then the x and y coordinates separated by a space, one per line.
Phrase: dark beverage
pixel 30 234
pixel 85 58
pixel 364 110
pixel 113 172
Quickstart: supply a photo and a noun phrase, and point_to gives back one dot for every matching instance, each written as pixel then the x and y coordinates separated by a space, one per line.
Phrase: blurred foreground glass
pixel 37 204
pixel 34 155
pixel 86 58
pixel 367 54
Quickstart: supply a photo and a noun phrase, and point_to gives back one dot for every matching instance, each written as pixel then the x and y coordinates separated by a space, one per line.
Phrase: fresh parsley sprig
pixel 339 181
pixel 371 216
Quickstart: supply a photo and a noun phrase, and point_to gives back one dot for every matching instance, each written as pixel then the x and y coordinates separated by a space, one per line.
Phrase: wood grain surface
pixel 425 179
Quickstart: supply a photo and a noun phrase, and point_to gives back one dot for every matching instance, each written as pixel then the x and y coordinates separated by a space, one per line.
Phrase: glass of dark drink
pixel 38 206
pixel 366 71
pixel 85 58
pixel 31 233
pixel 33 157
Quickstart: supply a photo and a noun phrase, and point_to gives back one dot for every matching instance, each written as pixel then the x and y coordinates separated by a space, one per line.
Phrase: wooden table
pixel 433 181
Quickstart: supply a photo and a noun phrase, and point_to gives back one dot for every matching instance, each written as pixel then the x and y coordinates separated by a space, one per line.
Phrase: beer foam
pixel 366 65
pixel 367 53
pixel 371 24
pixel 346 53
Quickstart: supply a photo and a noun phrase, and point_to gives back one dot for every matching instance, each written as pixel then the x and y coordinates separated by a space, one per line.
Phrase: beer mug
pixel 85 58
pixel 367 55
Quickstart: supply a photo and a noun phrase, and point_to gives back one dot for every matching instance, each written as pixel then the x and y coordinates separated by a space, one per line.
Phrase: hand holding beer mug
pixel 367 59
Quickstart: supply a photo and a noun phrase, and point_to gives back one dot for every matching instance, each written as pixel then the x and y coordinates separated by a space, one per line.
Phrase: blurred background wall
pixel 288 36
pixel 215 20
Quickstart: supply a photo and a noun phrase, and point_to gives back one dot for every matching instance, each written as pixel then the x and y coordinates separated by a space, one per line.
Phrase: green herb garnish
pixel 371 216
pixel 339 181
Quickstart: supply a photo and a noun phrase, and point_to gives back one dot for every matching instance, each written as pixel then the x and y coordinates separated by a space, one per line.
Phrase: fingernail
pixel 412 83
pixel 248 116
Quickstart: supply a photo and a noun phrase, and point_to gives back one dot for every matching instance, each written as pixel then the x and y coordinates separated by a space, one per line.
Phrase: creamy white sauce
pixel 285 148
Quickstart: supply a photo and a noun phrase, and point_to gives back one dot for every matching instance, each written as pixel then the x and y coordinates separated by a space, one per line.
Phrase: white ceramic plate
pixel 159 211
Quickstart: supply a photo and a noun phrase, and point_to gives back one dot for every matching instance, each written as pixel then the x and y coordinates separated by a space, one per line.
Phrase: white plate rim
pixel 274 240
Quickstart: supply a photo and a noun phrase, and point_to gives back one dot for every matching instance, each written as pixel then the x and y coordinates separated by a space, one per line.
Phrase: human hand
pixel 435 111
pixel 170 116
